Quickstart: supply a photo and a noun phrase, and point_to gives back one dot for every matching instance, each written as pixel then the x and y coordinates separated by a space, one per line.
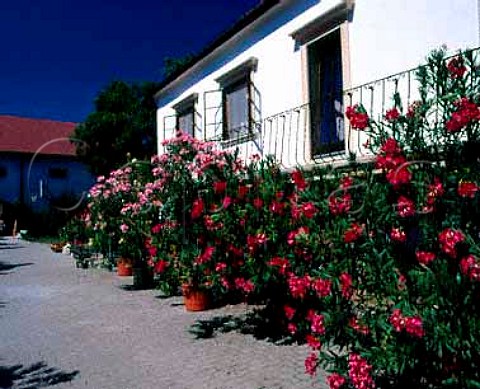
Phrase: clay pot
pixel 124 267
pixel 195 299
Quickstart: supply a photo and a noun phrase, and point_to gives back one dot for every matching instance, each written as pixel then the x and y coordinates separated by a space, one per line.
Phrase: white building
pixel 275 82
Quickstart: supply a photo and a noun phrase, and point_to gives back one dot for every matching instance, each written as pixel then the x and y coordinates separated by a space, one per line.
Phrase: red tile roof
pixel 25 135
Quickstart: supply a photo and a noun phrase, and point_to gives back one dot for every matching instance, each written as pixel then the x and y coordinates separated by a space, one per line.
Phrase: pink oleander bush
pixel 375 266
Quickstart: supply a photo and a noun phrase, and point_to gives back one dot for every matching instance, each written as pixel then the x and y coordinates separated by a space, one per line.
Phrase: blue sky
pixel 57 55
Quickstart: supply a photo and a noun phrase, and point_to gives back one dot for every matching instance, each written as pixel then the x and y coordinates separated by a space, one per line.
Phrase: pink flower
pixel 425 257
pixel 311 364
pixel 124 228
pixel 226 202
pixel 298 286
pixel 413 325
pixel 221 266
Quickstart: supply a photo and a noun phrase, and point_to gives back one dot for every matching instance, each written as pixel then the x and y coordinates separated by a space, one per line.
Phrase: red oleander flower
pixel 392 114
pixel 322 287
pixel 346 285
pixel 358 118
pixel 357 326
pixel 359 372
pixel 298 286
pixel 292 328
pixel 456 67
pixel 466 113
pixel 309 210
pixel 242 191
pixel 340 205
pixel 313 342
pixel 282 263
pixel 289 312
pixel 197 208
pixel 470 267
pixel 336 381
pixel 311 364
pixel 277 207
pixel 258 203
pixel 221 266
pixel 448 239
pixel 298 180
pixel 412 325
pixel 399 176
pixel 219 186
pixel 353 233
pixel 405 207
pixel 467 189
pixel 425 257
pixel 160 266
pixel 398 235
pixel 346 182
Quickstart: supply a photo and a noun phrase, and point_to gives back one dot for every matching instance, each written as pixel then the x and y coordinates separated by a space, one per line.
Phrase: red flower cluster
pixel 160 266
pixel 340 205
pixel 322 287
pixel 467 189
pixel 359 372
pixel 205 256
pixel 246 285
pixel 282 263
pixel 470 267
pixel 413 325
pixel 391 159
pixel 435 190
pixel 466 113
pixel 346 285
pixel 293 235
pixel 335 381
pixel 392 114
pixel 448 239
pixel 353 233
pixel 357 116
pixel 197 208
pixel 311 364
pixel 289 312
pixel 317 324
pixel 425 257
pixel 398 235
pixel 405 207
pixel 298 180
pixel 456 67
pixel 357 326
pixel 219 186
pixel 313 342
pixel 298 286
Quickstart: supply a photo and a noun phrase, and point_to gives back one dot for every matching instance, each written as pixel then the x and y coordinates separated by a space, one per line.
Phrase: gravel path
pixel 76 328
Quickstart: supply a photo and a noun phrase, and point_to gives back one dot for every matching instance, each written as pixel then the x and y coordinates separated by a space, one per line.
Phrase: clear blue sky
pixel 58 54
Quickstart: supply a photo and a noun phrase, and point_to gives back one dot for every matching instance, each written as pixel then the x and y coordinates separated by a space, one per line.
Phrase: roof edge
pixel 249 18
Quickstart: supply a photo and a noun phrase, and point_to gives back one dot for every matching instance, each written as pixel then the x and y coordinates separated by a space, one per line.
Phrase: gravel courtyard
pixel 76 328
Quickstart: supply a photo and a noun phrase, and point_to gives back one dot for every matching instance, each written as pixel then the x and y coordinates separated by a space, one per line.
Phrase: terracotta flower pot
pixel 124 267
pixel 195 299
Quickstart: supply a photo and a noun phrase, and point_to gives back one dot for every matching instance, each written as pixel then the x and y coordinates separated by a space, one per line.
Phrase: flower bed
pixel 378 261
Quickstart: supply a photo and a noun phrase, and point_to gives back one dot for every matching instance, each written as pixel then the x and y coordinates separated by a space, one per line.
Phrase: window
pixel 185 114
pixel 236 113
pixel 326 96
pixel 57 173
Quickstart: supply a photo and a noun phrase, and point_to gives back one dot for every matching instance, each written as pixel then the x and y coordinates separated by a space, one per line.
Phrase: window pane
pixel 186 123
pixel 237 111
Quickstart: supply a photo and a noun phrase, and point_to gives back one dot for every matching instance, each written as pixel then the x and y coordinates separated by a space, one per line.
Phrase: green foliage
pixel 123 125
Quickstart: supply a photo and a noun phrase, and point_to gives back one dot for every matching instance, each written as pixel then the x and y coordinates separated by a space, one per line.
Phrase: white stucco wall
pixel 384 37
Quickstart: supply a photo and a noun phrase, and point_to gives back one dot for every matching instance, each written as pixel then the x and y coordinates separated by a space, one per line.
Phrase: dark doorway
pixel 326 99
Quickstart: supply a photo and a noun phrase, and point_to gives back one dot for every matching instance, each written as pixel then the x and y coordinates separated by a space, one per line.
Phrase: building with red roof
pixel 38 165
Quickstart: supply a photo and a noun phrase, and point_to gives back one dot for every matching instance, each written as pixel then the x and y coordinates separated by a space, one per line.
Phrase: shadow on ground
pixel 36 376
pixel 258 323
pixel 6 267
